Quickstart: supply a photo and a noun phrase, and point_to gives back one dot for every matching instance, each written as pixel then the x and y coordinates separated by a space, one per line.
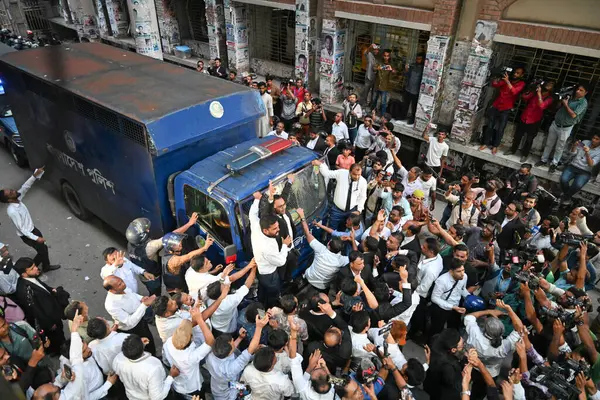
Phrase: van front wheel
pixel 74 202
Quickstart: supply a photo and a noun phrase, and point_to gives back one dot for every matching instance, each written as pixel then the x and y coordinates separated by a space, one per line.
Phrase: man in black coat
pixel 411 240
pixel 43 305
pixel 275 204
pixel 357 266
pixel 444 376
pixel 513 229
pixel 332 152
pixel 316 142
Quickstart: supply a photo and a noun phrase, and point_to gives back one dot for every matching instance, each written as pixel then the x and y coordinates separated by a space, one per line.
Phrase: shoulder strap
pixel 493 203
pixel 21 332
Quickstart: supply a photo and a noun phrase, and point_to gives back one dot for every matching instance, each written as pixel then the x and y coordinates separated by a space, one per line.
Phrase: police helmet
pixel 138 231
pixel 474 303
pixel 172 239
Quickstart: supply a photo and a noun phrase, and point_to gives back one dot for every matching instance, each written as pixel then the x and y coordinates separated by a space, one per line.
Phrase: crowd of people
pixel 493 291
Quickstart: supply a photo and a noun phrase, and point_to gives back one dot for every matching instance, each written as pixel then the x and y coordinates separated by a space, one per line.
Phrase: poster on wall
pixel 484 32
pixel 146 34
pixel 461 128
pixel 469 97
pixel 327 48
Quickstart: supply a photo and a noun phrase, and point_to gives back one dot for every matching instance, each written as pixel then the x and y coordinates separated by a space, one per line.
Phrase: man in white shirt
pixel 350 192
pixel 224 318
pixel 201 273
pixel 118 265
pixel 428 269
pixel 339 128
pixel 86 381
pixel 463 212
pixel 449 288
pixel 365 137
pixel 19 215
pixel 224 367
pixel 106 343
pixel 362 347
pixel 264 380
pixel 327 261
pixel 142 374
pixel 265 121
pixel 279 132
pixel 437 151
pixel 268 252
pixel 429 187
pixel 127 308
pixel 410 180
pixel 181 352
pixel 169 316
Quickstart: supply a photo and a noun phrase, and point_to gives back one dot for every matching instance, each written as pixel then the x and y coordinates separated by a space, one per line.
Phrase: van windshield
pixel 308 192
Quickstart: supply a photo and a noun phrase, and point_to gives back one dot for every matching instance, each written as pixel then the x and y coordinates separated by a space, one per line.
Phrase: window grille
pixel 566 69
pixel 35 15
pixel 403 42
pixel 196 14
pixel 273 34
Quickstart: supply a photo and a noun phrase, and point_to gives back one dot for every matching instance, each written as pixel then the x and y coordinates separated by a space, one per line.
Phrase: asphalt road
pixel 76 245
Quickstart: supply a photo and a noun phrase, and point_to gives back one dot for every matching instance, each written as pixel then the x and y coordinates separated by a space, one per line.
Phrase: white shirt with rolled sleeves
pixel 393 348
pixel 105 350
pixel 166 326
pixel 125 309
pixel 19 214
pixel 126 272
pixel 340 131
pixel 492 357
pixel 436 151
pixel 444 295
pixel 359 341
pixel 364 137
pixel 358 195
pixel 144 378
pixel 198 282
pixel 428 271
pixel 408 313
pixel 272 385
pixel 187 362
pixel 267 254
pixel 225 370
pixel 225 317
pixel 325 265
pixel 302 383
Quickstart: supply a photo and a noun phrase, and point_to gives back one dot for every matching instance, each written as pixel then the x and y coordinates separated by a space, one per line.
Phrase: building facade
pixel 324 42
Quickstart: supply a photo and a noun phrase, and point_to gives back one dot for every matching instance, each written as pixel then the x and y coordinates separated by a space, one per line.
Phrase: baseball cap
pixel 419 194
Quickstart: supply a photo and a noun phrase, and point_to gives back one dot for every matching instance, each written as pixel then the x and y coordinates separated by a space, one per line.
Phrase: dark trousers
pixel 439 318
pixel 154 287
pixel 291 263
pixel 530 132
pixel 410 101
pixel 578 177
pixel 495 127
pixel 41 259
pixel 56 336
pixel 269 289
pixel 142 330
pixel 418 322
pixel 359 154
pixel 446 215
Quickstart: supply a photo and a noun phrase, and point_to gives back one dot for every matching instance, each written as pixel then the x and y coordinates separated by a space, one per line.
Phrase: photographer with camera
pixel 575 268
pixel 529 215
pixel 352 113
pixel 545 236
pixel 570 114
pixel 463 211
pixel 520 184
pixel 487 200
pixel 465 184
pixel 509 88
pixel 538 99
pixel 586 158
pixel 575 222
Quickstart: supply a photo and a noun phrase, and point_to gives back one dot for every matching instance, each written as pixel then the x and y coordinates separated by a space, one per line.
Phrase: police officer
pixel 143 251
pixel 175 264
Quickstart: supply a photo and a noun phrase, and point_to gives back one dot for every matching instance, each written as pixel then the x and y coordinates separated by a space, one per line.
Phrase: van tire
pixel 19 159
pixel 74 202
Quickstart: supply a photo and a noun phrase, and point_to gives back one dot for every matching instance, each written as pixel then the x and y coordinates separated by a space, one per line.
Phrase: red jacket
pixel 534 112
pixel 507 97
pixel 299 94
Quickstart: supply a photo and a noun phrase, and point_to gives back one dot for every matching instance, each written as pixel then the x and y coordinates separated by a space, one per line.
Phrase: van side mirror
pixel 230 254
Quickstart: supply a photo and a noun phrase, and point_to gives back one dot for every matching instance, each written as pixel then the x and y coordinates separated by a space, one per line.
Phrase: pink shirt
pixel 344 162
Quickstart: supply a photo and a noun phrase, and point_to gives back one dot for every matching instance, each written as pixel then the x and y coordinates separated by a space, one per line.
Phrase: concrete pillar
pixel 215 20
pixel 83 15
pixel 331 57
pixel 467 117
pixel 168 26
pixel 144 26
pixel 436 59
pixel 236 20
pixel 303 38
pixel 118 18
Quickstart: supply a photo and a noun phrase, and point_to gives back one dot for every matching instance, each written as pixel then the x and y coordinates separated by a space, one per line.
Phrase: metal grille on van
pixel 109 119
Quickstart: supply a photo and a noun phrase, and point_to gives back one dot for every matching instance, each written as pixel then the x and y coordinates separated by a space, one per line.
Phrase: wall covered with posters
pixel 302 42
pixel 435 61
pixel 145 28
pixel 236 22
pixel 331 59
pixel 468 115
pixel 118 19
pixel 215 20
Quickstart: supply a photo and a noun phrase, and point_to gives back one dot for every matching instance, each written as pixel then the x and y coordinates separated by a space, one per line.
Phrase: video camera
pixel 568 318
pixel 559 378
pixel 529 277
pixel 573 239
pixel 500 71
pixel 565 92
pixel 535 83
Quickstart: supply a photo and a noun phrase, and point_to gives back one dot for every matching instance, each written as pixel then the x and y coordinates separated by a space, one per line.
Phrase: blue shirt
pixel 573 263
pixel 377 386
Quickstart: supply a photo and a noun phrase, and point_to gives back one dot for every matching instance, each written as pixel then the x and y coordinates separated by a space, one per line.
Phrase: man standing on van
pixel 19 215
pixel 265 122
